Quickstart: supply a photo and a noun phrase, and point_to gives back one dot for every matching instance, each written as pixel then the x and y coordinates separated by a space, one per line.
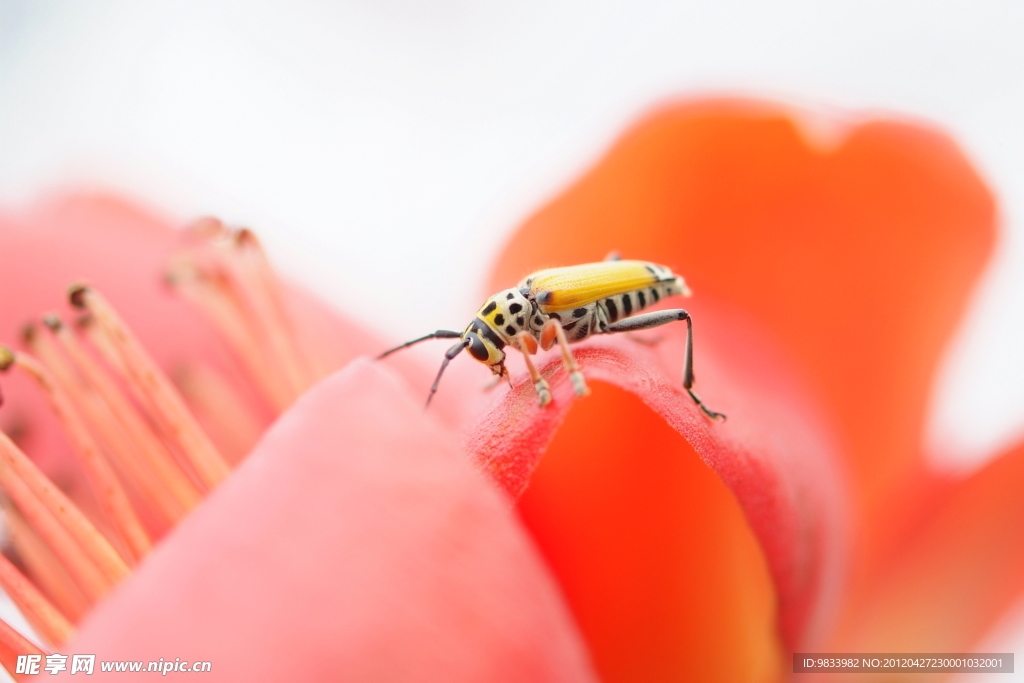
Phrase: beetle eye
pixel 477 348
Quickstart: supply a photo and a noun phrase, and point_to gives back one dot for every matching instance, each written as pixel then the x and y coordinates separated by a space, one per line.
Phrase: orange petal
pixel 954 573
pixel 675 571
pixel 858 253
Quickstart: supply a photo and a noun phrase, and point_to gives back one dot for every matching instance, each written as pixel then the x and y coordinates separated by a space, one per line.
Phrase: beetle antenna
pixel 440 334
pixel 449 354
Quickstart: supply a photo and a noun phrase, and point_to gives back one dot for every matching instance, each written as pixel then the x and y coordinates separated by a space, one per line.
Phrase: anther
pixel 28 332
pixel 245 237
pixel 6 358
pixel 52 321
pixel 76 295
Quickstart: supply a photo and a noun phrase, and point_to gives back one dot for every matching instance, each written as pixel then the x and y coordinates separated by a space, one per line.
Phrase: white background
pixel 384 148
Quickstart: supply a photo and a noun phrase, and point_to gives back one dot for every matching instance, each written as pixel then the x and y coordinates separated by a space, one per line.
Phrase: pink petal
pixel 354 544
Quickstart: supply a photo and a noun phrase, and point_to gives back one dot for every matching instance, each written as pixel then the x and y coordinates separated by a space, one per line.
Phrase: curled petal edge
pixel 776 452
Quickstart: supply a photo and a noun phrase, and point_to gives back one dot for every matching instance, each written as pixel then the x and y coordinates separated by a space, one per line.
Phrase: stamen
pixel 40 612
pixel 211 295
pixel 155 445
pixel 13 644
pixel 137 450
pixel 109 491
pixel 221 410
pixel 268 300
pixel 41 502
pixel 91 561
pixel 44 567
pixel 230 270
pixel 153 389
pixel 144 490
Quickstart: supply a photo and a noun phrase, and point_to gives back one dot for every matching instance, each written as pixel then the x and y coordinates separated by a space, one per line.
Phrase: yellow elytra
pixel 566 305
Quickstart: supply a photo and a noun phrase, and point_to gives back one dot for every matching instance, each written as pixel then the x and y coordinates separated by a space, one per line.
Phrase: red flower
pixel 856 255
pixel 354 542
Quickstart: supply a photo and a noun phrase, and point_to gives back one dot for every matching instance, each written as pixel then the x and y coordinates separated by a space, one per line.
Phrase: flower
pixel 352 542
pixel 355 542
pixel 853 245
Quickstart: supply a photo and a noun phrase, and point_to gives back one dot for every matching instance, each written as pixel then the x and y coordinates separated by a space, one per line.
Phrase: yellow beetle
pixel 566 305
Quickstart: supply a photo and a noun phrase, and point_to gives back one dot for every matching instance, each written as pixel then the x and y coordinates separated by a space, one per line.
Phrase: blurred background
pixel 389 147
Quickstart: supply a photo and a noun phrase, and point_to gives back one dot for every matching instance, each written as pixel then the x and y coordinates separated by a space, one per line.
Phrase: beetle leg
pixel 554 327
pixel 646 321
pixel 549 334
pixel 526 343
pixel 539 383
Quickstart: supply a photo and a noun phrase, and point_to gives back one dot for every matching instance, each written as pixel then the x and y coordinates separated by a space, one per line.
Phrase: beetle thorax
pixel 508 313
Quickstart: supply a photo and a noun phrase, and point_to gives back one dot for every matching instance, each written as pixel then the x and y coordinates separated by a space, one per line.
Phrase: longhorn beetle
pixel 566 305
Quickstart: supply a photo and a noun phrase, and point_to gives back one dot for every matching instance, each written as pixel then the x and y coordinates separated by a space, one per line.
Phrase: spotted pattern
pixel 503 316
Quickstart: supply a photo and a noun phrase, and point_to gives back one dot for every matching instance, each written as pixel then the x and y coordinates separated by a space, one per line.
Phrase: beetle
pixel 566 305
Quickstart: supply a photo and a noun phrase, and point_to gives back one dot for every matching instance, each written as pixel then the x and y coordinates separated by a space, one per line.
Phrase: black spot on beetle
pixel 520 321
pixel 510 330
pixel 655 295
pixel 538 321
pixel 511 295
pixel 499 319
pixel 641 298
pixel 489 308
pixel 554 316
pixel 579 312
pixel 571 325
pixel 515 308
pixel 627 306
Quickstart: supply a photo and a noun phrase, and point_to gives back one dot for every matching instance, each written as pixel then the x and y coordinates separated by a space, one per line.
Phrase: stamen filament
pixel 126 433
pixel 228 274
pixel 13 644
pixel 153 389
pixel 90 559
pixel 44 567
pixel 109 491
pixel 40 612
pixel 150 498
pixel 221 309
pixel 261 286
pixel 218 406
pixel 48 523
